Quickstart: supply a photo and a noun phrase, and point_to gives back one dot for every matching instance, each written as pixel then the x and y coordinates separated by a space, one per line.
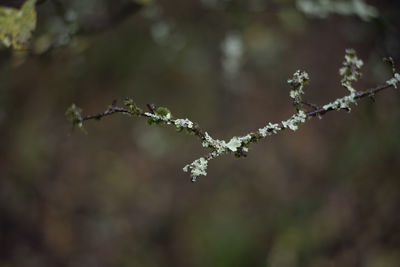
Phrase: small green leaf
pixel 74 114
pixel 133 109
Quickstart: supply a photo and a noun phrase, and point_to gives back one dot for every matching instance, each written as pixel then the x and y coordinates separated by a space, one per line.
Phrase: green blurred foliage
pixel 16 25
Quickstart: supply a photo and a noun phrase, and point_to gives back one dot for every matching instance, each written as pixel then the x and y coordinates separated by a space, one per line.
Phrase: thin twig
pixel 239 145
pixel 359 95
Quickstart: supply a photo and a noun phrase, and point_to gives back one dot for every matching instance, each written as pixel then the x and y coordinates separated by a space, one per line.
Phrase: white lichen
pixel 271 128
pixel 234 144
pixel 394 81
pixel 183 123
pixel 350 73
pixel 197 168
pixel 153 116
pixel 156 118
pixel 168 116
pixel 301 116
pixel 218 145
pixel 292 123
pixel 351 70
pixel 341 103
pixel 245 139
pixel 298 81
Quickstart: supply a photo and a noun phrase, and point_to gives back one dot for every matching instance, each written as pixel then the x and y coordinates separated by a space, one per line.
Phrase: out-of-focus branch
pixel 117 12
pixel 17 3
pixel 239 145
pixel 322 8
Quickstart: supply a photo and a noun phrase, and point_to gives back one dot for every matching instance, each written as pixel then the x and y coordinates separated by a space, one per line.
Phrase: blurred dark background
pixel 326 195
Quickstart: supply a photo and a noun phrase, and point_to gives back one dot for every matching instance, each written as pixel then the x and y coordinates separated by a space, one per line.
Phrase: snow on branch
pixel 239 145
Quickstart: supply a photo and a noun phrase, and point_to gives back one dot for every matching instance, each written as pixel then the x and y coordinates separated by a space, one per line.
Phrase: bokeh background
pixel 326 195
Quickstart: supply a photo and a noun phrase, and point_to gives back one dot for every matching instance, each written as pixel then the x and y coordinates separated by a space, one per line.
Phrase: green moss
pixel 133 109
pixel 153 121
pixel 163 112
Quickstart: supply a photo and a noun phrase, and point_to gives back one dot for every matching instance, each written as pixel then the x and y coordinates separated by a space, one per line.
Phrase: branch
pixel 160 115
pixel 239 145
pixel 18 3
pixel 322 8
